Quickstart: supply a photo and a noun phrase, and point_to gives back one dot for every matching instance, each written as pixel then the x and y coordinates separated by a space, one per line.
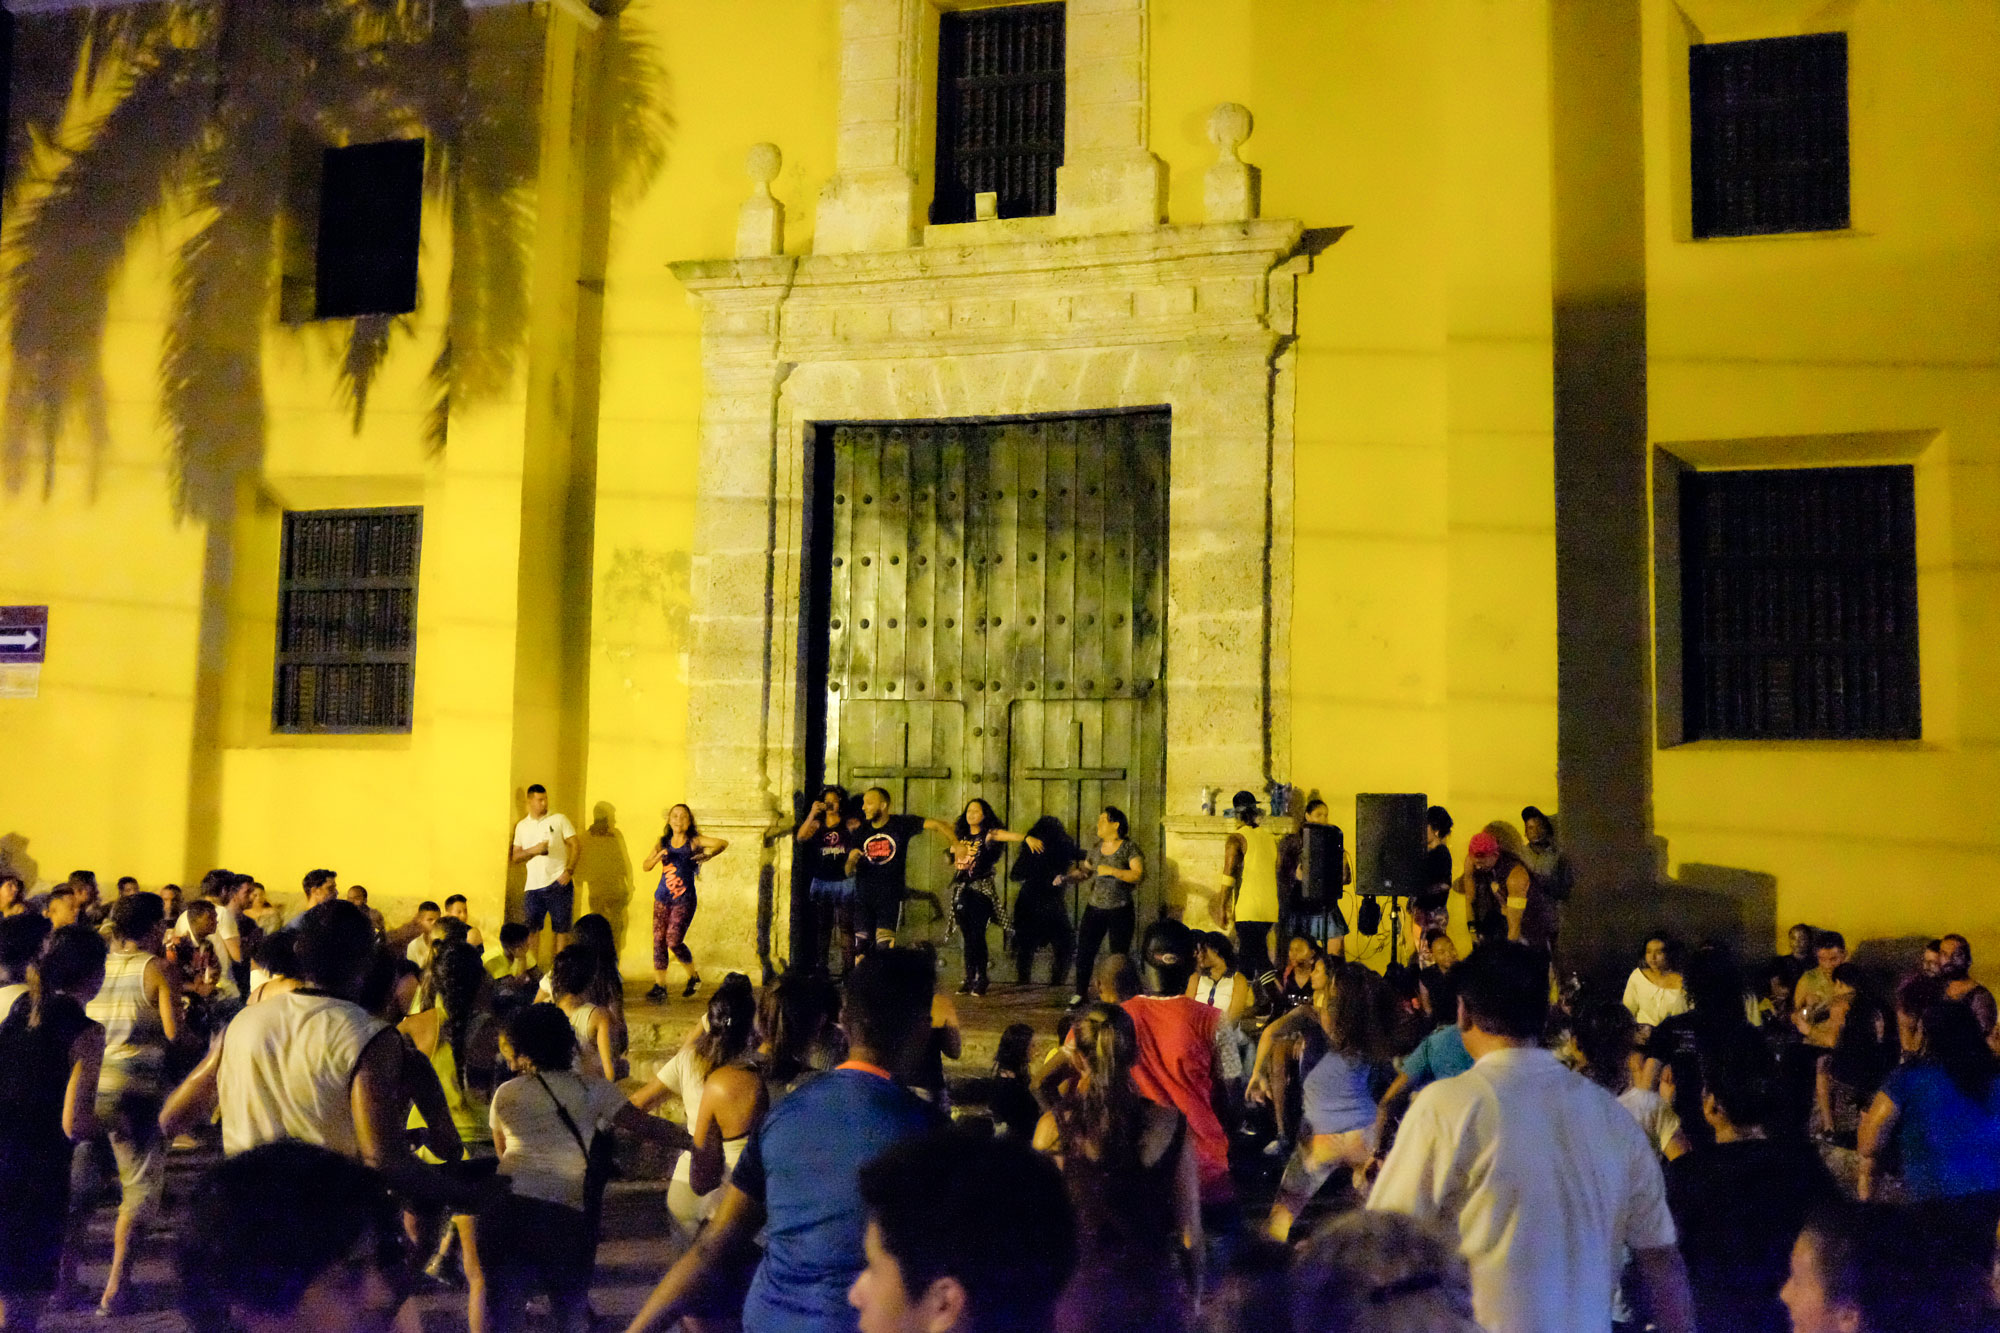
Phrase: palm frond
pixel 367 348
pixel 66 254
pixel 211 363
pixel 641 121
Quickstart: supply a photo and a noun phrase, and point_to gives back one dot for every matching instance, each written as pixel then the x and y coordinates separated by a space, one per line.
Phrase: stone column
pixel 1218 570
pixel 1108 181
pixel 729 678
pixel 870 203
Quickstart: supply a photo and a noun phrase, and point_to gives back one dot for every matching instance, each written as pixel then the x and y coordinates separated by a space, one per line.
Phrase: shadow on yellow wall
pixel 211 119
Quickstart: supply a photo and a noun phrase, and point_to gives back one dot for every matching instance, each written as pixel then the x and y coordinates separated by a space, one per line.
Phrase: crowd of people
pixel 1224 1130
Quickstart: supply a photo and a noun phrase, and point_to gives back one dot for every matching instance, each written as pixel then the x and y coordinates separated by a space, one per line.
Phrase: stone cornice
pixel 1159 285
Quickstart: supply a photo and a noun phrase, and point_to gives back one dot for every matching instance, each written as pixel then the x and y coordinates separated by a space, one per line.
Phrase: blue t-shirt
pixel 1950 1143
pixel 804 1165
pixel 1440 1055
pixel 1335 1095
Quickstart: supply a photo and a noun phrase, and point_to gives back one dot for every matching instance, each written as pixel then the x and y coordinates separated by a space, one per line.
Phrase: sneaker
pixel 979 986
pixel 965 987
pixel 694 984
pixel 657 995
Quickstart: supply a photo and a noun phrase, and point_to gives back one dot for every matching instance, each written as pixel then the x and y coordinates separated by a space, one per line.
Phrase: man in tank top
pixel 1250 863
pixel 312 1064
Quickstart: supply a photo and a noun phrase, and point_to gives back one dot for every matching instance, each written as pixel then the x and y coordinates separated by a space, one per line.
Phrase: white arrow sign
pixel 21 639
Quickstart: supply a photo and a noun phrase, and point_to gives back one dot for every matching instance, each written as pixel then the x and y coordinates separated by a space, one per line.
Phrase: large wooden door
pixel 995 620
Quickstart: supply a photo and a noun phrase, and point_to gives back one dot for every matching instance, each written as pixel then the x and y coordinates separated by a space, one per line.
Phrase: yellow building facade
pixel 1491 343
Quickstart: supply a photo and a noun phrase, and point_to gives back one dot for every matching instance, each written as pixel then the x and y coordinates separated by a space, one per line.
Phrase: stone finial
pixel 1229 125
pixel 1231 188
pixel 760 223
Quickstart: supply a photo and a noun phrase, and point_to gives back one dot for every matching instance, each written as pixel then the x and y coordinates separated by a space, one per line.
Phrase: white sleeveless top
pixel 287 1072
pixel 586 1049
pixel 1214 992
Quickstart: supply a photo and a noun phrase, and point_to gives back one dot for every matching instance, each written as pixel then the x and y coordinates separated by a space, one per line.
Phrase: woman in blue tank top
pixel 679 854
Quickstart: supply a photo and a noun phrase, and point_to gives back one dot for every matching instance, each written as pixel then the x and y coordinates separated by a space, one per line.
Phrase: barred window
pixel 1799 598
pixel 1000 110
pixel 371 205
pixel 1768 123
pixel 347 620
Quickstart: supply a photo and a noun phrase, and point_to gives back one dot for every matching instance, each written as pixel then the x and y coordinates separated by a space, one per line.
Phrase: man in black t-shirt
pixel 833 860
pixel 882 874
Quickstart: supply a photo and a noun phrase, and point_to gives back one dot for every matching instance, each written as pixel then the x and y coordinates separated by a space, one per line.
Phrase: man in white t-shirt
pixel 548 843
pixel 1544 1175
pixel 230 893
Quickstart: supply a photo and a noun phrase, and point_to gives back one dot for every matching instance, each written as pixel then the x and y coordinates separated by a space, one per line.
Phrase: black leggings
pixel 1253 948
pixel 975 910
pixel 1098 924
pixel 1040 920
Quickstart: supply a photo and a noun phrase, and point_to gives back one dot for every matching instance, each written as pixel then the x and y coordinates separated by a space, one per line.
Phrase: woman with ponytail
pixel 1130 1170
pixel 723 1040
pixel 52 1054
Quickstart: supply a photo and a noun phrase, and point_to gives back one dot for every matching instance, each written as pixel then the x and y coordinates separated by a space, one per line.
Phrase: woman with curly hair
pixel 975 895
pixel 1130 1169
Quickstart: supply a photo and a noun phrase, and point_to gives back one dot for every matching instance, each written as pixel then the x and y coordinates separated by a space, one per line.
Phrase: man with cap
pixel 1250 864
pixel 1501 898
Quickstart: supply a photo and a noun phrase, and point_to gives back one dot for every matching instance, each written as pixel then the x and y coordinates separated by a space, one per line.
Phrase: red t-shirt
pixel 1176 1068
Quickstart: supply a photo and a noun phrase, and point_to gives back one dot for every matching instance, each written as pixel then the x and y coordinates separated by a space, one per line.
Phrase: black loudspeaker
pixel 1389 843
pixel 1322 863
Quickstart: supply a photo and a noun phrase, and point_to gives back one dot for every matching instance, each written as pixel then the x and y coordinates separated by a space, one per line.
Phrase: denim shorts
pixel 554 901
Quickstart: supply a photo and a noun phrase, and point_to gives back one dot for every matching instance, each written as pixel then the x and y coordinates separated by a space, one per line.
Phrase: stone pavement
pixel 655 1031
pixel 636 1250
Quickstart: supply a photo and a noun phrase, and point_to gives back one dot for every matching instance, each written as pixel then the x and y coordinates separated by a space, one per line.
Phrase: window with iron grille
pixel 1768 122
pixel 1799 603
pixel 347 620
pixel 371 203
pixel 1000 110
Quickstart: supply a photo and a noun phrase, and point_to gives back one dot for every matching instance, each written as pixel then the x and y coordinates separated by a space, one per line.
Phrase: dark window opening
pixel 1799 604
pixel 1768 122
pixel 370 224
pixel 1000 110
pixel 347 620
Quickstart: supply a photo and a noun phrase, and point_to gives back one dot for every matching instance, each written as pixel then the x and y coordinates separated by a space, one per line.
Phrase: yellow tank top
pixel 1257 894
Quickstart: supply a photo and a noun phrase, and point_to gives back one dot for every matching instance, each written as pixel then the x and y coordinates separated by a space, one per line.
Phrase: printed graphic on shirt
pixel 879 848
pixel 671 881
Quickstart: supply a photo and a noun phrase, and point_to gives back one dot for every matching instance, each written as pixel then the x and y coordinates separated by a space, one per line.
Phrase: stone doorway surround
pixel 1102 306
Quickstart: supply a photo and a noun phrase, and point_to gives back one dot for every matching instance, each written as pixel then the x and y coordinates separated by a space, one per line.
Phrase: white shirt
pixel 8 994
pixel 421 948
pixel 225 927
pixel 287 1072
pixel 1654 1114
pixel 1545 1176
pixel 683 1077
pixel 1652 1005
pixel 551 828
pixel 542 1157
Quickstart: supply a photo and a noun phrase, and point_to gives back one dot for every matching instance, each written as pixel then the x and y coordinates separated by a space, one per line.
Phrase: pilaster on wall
pixel 871 203
pixel 1109 180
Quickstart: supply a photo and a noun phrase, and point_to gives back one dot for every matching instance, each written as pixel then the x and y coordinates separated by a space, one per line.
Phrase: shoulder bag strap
pixel 568 1122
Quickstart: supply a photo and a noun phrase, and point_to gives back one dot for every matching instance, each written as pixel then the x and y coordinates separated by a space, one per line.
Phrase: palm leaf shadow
pixel 207 87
